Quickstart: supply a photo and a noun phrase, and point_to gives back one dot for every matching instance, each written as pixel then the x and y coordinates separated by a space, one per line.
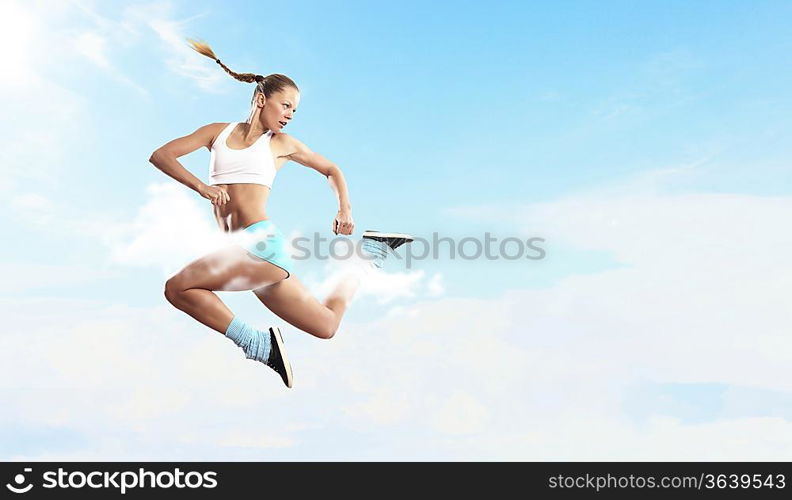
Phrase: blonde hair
pixel 266 85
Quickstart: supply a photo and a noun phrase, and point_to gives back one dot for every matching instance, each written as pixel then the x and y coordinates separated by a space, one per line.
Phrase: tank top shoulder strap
pixel 264 140
pixel 220 140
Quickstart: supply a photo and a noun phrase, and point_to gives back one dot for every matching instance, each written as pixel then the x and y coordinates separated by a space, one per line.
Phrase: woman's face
pixel 278 109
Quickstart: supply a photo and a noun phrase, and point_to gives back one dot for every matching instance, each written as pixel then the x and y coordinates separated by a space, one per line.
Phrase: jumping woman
pixel 245 156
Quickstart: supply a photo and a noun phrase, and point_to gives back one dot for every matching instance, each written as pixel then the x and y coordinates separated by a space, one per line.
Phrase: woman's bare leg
pixel 293 303
pixel 230 269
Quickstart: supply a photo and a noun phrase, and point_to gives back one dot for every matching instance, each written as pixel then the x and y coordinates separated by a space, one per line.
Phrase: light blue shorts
pixel 265 241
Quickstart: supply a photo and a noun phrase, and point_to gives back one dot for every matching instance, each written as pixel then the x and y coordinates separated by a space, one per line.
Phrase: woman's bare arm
pixel 165 159
pixel 303 155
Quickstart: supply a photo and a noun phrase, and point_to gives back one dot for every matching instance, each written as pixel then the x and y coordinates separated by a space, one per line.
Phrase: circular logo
pixel 266 248
pixel 19 479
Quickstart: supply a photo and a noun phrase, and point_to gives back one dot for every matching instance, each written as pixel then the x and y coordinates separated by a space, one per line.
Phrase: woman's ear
pixel 260 100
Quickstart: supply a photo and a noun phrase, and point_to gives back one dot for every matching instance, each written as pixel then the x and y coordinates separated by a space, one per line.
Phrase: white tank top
pixel 252 165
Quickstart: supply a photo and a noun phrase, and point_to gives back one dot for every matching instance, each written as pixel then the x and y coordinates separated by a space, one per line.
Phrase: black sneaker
pixel 376 244
pixel 278 360
pixel 393 240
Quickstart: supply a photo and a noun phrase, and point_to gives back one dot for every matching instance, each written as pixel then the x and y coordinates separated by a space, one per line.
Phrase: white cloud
pixel 692 288
pixel 691 304
pixel 383 408
pixel 60 220
pixel 460 413
pixel 435 286
pixel 169 230
pixel 390 286
pixel 19 276
pixel 255 440
pixel 384 287
pixel 585 437
pixel 144 370
pixel 37 207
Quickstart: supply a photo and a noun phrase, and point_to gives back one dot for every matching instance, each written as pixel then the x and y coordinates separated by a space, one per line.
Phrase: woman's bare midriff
pixel 248 203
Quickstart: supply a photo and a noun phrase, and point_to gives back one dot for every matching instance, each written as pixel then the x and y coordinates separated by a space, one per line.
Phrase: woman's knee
pixel 327 329
pixel 322 324
pixel 327 333
pixel 173 290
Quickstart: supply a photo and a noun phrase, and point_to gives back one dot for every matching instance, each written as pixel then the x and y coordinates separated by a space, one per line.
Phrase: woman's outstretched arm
pixel 165 159
pixel 302 154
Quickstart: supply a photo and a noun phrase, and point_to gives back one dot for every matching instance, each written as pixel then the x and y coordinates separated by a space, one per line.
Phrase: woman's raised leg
pixel 293 303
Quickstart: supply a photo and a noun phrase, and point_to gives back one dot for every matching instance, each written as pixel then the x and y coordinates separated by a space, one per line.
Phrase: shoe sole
pixel 276 334
pixel 377 234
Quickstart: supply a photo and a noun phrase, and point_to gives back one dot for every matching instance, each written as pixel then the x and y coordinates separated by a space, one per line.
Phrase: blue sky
pixel 647 144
